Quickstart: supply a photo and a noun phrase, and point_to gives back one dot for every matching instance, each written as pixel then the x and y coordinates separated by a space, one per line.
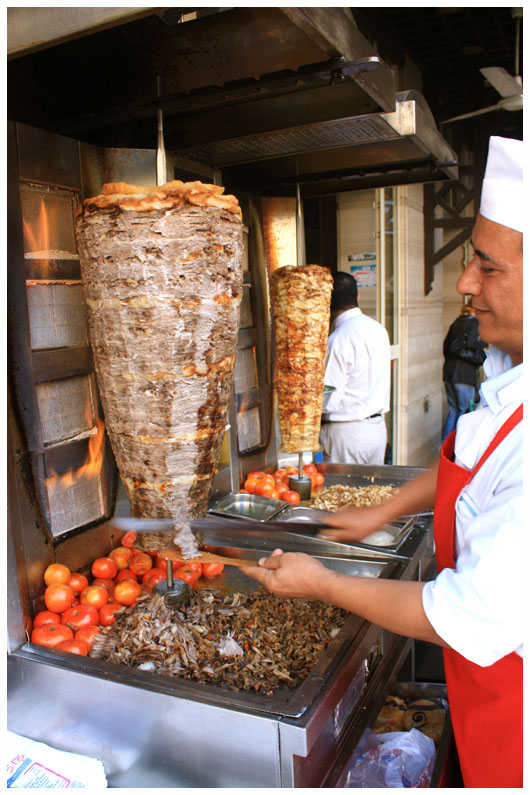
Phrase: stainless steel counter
pixel 152 730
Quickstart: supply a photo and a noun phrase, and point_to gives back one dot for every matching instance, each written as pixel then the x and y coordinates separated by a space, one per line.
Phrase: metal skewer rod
pixel 301 464
pixel 160 150
pixel 169 574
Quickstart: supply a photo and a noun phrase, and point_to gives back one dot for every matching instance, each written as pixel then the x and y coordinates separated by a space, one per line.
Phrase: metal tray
pixel 286 702
pixel 299 518
pixel 247 506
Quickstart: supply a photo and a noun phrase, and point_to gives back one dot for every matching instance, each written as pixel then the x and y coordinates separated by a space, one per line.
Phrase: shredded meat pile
pixel 336 497
pixel 246 642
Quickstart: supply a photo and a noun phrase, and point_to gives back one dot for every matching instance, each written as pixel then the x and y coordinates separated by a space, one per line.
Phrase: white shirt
pixel 478 608
pixel 358 366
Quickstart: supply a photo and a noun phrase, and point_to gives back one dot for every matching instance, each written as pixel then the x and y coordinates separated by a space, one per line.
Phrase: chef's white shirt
pixel 478 608
pixel 358 366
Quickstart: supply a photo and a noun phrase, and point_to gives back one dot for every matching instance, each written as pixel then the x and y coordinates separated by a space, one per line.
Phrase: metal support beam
pixel 452 198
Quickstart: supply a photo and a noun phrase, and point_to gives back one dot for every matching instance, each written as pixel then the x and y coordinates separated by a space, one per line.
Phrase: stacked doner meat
pixel 301 308
pixel 162 276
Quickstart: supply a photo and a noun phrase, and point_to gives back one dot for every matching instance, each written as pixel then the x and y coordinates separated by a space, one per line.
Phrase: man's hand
pixel 292 575
pixel 353 524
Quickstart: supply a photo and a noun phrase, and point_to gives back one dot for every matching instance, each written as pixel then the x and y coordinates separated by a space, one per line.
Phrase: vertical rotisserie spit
pixel 162 277
pixel 301 299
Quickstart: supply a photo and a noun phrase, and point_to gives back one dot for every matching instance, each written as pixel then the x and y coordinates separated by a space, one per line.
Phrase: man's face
pixel 494 280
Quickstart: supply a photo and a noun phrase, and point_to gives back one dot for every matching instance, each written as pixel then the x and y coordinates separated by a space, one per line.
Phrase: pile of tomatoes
pixel 276 485
pixel 78 606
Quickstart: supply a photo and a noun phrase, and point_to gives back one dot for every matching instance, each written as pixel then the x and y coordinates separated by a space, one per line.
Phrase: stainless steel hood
pixel 371 150
pixel 272 96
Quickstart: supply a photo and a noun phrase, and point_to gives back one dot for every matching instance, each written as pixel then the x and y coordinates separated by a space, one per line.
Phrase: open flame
pixel 41 235
pixel 89 471
pixel 37 232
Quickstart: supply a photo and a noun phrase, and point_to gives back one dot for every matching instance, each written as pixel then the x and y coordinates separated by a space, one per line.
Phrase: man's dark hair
pixel 344 295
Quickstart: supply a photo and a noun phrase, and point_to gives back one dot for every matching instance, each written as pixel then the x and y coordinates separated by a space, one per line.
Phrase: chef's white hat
pixel 502 198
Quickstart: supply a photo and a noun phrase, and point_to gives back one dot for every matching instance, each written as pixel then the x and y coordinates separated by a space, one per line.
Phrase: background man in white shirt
pixel 358 366
pixel 476 607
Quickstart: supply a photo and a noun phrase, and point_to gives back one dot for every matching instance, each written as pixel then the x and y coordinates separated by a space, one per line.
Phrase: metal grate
pixel 313 137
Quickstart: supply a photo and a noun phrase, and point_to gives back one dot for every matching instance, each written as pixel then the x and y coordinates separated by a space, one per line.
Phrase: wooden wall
pixel 421 360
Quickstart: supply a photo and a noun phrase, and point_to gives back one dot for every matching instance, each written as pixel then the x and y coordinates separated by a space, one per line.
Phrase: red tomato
pixel 189 573
pixel 87 634
pixel 95 595
pixel 77 582
pixel 140 563
pixel 265 489
pixel 151 578
pixel 279 474
pixel 56 572
pixel 281 488
pixel 104 568
pixel 317 479
pixel 46 617
pixel 80 616
pixel 126 574
pixel 291 470
pixel 251 485
pixel 127 592
pixel 74 646
pixel 212 569
pixel 51 634
pixel 121 556
pixel 309 469
pixel 106 613
pixel 255 475
pixel 106 583
pixel 58 597
pixel 291 496
pixel 128 539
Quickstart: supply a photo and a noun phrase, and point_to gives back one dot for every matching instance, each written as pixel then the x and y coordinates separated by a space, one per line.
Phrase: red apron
pixel 486 703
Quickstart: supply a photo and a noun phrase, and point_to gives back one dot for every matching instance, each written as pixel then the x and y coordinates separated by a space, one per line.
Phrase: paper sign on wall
pixel 365 275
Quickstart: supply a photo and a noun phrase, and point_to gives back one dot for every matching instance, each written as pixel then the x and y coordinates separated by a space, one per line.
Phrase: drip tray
pixel 247 506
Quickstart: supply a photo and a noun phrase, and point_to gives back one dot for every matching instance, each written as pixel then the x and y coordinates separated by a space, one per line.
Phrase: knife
pixel 167 525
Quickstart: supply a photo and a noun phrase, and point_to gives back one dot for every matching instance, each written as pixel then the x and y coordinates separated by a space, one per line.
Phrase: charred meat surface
pixel 245 642
pixel 162 276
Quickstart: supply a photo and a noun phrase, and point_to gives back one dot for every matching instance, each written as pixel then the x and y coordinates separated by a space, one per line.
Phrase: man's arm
pixel 391 604
pixel 354 524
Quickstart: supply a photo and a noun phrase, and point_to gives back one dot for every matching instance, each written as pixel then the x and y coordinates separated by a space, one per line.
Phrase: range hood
pixel 271 96
pixel 347 153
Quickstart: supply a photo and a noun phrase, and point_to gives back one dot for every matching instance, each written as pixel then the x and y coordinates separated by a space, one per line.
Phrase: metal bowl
pixel 328 391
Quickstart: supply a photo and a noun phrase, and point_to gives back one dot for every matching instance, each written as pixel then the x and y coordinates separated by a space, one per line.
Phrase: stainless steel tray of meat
pixel 284 701
pixel 247 506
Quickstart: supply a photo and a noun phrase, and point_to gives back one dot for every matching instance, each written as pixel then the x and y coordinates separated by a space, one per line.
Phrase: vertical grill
pixel 57 398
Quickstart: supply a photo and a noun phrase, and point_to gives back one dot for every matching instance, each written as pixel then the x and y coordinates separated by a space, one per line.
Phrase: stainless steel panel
pixel 49 158
pixel 362 475
pixel 144 738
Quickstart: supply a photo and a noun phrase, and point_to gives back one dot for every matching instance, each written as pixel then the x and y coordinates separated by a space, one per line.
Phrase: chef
pixel 358 366
pixel 474 608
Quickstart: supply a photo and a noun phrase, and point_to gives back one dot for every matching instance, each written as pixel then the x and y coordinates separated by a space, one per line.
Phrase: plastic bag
pixel 394 759
pixel 35 765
